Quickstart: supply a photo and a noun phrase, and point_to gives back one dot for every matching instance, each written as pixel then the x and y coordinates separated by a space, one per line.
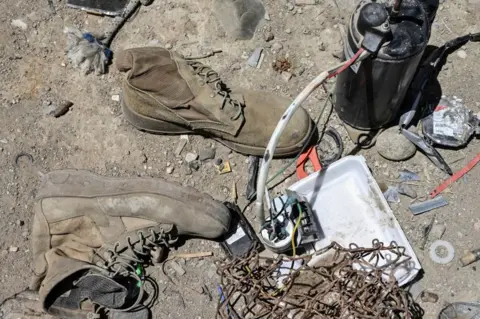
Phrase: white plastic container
pixel 351 209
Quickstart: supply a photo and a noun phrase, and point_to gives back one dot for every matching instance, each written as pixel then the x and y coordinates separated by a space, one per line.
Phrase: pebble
pixel 178 269
pixel 195 165
pixel 168 164
pixel 236 66
pixel 269 36
pixel 288 31
pixel 277 46
pixel 116 98
pixel 25 234
pixel 13 249
pixel 20 222
pixel 299 11
pixel 190 157
pixel 19 24
pixel 168 46
pixel 462 54
pixel 290 6
pixel 170 170
pixel 207 154
pixel 321 46
pixel 286 76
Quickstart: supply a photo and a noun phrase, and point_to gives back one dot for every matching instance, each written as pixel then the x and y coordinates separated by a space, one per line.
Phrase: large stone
pixel 239 18
pixel 392 145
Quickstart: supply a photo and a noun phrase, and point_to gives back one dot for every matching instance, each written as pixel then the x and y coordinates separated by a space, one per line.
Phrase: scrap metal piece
pixel 428 205
pixel 223 168
pixel 253 162
pixel 254 59
pixel 447 255
pixel 429 150
pixel 470 257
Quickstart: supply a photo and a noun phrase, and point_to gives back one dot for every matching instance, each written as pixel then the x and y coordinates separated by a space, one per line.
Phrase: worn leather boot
pixel 93 235
pixel 167 94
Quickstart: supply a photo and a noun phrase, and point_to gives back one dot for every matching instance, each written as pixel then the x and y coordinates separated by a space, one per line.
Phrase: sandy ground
pixel 35 76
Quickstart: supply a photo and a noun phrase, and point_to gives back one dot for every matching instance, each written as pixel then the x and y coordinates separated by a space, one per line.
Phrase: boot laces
pixel 131 265
pixel 213 79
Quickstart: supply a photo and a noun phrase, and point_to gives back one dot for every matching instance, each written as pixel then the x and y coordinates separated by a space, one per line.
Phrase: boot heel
pixel 148 124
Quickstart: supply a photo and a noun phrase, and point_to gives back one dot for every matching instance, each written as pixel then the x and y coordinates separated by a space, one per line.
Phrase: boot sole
pixel 154 126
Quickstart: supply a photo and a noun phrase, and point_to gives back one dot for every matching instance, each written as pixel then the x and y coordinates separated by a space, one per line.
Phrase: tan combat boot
pixel 93 235
pixel 167 94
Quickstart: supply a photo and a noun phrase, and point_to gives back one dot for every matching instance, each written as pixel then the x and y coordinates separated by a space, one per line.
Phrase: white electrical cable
pixel 272 144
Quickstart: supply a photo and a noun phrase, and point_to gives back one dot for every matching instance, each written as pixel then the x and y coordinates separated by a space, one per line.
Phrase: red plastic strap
pixel 312 155
pixel 455 176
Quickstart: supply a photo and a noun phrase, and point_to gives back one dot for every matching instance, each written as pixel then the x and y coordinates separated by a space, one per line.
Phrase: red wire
pixel 346 65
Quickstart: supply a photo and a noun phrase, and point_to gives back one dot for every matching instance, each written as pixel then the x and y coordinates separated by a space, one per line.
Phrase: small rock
pixel 269 36
pixel 13 249
pixel 20 222
pixel 195 165
pixel 25 234
pixel 190 157
pixel 288 31
pixel 181 144
pixel 299 11
pixel 63 64
pixel 116 98
pixel 321 46
pixel 19 24
pixel 290 6
pixel 170 170
pixel 207 154
pixel 178 269
pixel 277 47
pixel 168 164
pixel 407 190
pixel 427 296
pixel 266 16
pixel 286 76
pixel 436 232
pixel 462 54
pixel 236 66
pixel 168 46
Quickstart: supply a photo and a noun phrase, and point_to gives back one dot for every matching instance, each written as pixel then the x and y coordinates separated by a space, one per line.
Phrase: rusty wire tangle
pixel 349 283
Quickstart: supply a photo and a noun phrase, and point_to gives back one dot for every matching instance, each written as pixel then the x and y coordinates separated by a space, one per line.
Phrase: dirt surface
pixel 36 76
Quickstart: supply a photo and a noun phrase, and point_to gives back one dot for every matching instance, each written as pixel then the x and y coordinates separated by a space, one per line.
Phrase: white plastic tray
pixel 351 209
